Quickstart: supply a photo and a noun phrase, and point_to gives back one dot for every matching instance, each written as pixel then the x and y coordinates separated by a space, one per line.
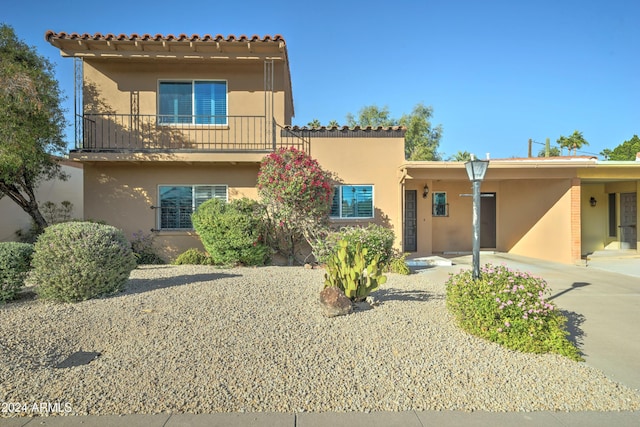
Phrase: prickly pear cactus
pixel 350 272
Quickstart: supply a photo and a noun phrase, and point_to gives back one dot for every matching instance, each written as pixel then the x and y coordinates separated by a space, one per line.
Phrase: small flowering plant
pixel 511 308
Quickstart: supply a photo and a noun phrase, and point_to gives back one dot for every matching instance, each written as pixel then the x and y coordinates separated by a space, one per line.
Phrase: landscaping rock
pixel 334 302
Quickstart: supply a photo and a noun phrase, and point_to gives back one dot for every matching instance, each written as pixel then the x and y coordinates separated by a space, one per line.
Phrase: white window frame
pixel 193 101
pixel 340 216
pixel 193 201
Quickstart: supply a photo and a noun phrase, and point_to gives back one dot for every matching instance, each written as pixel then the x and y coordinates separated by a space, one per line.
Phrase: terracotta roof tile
pixel 344 128
pixel 49 35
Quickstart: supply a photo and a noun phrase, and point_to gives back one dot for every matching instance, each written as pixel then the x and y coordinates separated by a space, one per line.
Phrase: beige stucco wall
pixel 13 218
pixel 595 219
pixel 369 161
pixel 109 85
pixel 535 219
pixel 121 194
pixel 533 210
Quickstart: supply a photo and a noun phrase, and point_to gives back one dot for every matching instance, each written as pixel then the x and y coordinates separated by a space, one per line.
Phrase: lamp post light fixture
pixel 476 170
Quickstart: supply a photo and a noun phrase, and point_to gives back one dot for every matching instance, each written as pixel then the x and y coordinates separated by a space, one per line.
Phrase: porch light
pixel 476 170
pixel 425 191
pixel 593 202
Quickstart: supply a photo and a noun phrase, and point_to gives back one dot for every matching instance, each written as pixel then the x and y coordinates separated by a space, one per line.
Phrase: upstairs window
pixel 177 203
pixel 194 102
pixel 352 201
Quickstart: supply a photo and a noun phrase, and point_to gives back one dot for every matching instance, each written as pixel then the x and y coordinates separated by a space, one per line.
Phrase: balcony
pixel 126 133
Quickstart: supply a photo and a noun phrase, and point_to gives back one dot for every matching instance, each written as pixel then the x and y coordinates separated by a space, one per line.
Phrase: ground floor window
pixel 440 205
pixel 352 201
pixel 177 203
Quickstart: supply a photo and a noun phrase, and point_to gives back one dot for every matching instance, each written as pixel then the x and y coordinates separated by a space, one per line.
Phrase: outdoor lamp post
pixel 476 170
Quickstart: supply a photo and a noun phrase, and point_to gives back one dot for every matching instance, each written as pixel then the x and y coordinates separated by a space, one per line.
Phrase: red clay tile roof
pixel 345 128
pixel 159 37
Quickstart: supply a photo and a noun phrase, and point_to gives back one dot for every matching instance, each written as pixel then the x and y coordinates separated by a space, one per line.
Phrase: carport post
pixel 476 170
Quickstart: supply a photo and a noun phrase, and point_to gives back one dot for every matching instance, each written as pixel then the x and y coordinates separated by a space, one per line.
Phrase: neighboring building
pixel 166 122
pixel 14 218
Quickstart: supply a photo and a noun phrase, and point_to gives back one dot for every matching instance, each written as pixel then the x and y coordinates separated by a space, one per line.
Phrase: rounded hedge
pixel 193 256
pixel 75 261
pixel 15 262
pixel 231 232
pixel 378 241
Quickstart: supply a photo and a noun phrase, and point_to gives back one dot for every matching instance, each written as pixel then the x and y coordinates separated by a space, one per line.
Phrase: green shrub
pixel 376 239
pixel 398 264
pixel 232 232
pixel 75 261
pixel 142 246
pixel 348 270
pixel 509 307
pixel 15 261
pixel 193 256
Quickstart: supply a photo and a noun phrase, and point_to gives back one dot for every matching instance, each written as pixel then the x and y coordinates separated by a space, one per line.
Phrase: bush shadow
pixel 390 294
pixel 138 286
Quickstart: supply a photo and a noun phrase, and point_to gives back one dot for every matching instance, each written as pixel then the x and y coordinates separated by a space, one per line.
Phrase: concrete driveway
pixel 601 300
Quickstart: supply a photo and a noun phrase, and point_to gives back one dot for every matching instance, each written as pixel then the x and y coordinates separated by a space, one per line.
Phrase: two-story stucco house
pixel 165 122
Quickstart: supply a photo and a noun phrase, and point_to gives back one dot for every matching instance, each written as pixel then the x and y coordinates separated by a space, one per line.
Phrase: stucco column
pixel 576 227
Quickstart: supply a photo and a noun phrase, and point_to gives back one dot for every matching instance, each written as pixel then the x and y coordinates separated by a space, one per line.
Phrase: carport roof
pixel 582 167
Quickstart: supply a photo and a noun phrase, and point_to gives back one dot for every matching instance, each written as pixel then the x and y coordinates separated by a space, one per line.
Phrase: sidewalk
pixel 376 419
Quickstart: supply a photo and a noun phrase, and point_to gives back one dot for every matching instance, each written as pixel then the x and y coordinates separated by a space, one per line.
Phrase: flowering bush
pixel 75 261
pixel 509 307
pixel 297 193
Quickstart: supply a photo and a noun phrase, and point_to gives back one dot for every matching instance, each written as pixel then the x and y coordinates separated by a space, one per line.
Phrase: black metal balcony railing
pixel 143 132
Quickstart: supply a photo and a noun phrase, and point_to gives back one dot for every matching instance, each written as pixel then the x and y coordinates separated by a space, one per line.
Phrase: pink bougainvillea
pixel 297 193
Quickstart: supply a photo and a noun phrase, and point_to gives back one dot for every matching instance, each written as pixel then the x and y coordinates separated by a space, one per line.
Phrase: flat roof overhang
pixel 587 170
pixel 254 157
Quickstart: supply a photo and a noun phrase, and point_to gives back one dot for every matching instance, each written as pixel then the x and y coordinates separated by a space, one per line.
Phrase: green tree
pixel 31 123
pixel 315 123
pixel 553 152
pixel 422 139
pixel 333 123
pixel 373 116
pixel 625 151
pixel 461 156
pixel 573 142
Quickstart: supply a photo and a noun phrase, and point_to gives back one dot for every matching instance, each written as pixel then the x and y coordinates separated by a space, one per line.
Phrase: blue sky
pixel 496 72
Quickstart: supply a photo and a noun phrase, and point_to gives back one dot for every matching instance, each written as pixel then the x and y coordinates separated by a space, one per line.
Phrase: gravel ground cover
pixel 197 339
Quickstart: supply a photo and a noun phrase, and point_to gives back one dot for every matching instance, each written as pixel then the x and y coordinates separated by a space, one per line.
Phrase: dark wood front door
pixel 488 220
pixel 410 221
pixel 628 221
